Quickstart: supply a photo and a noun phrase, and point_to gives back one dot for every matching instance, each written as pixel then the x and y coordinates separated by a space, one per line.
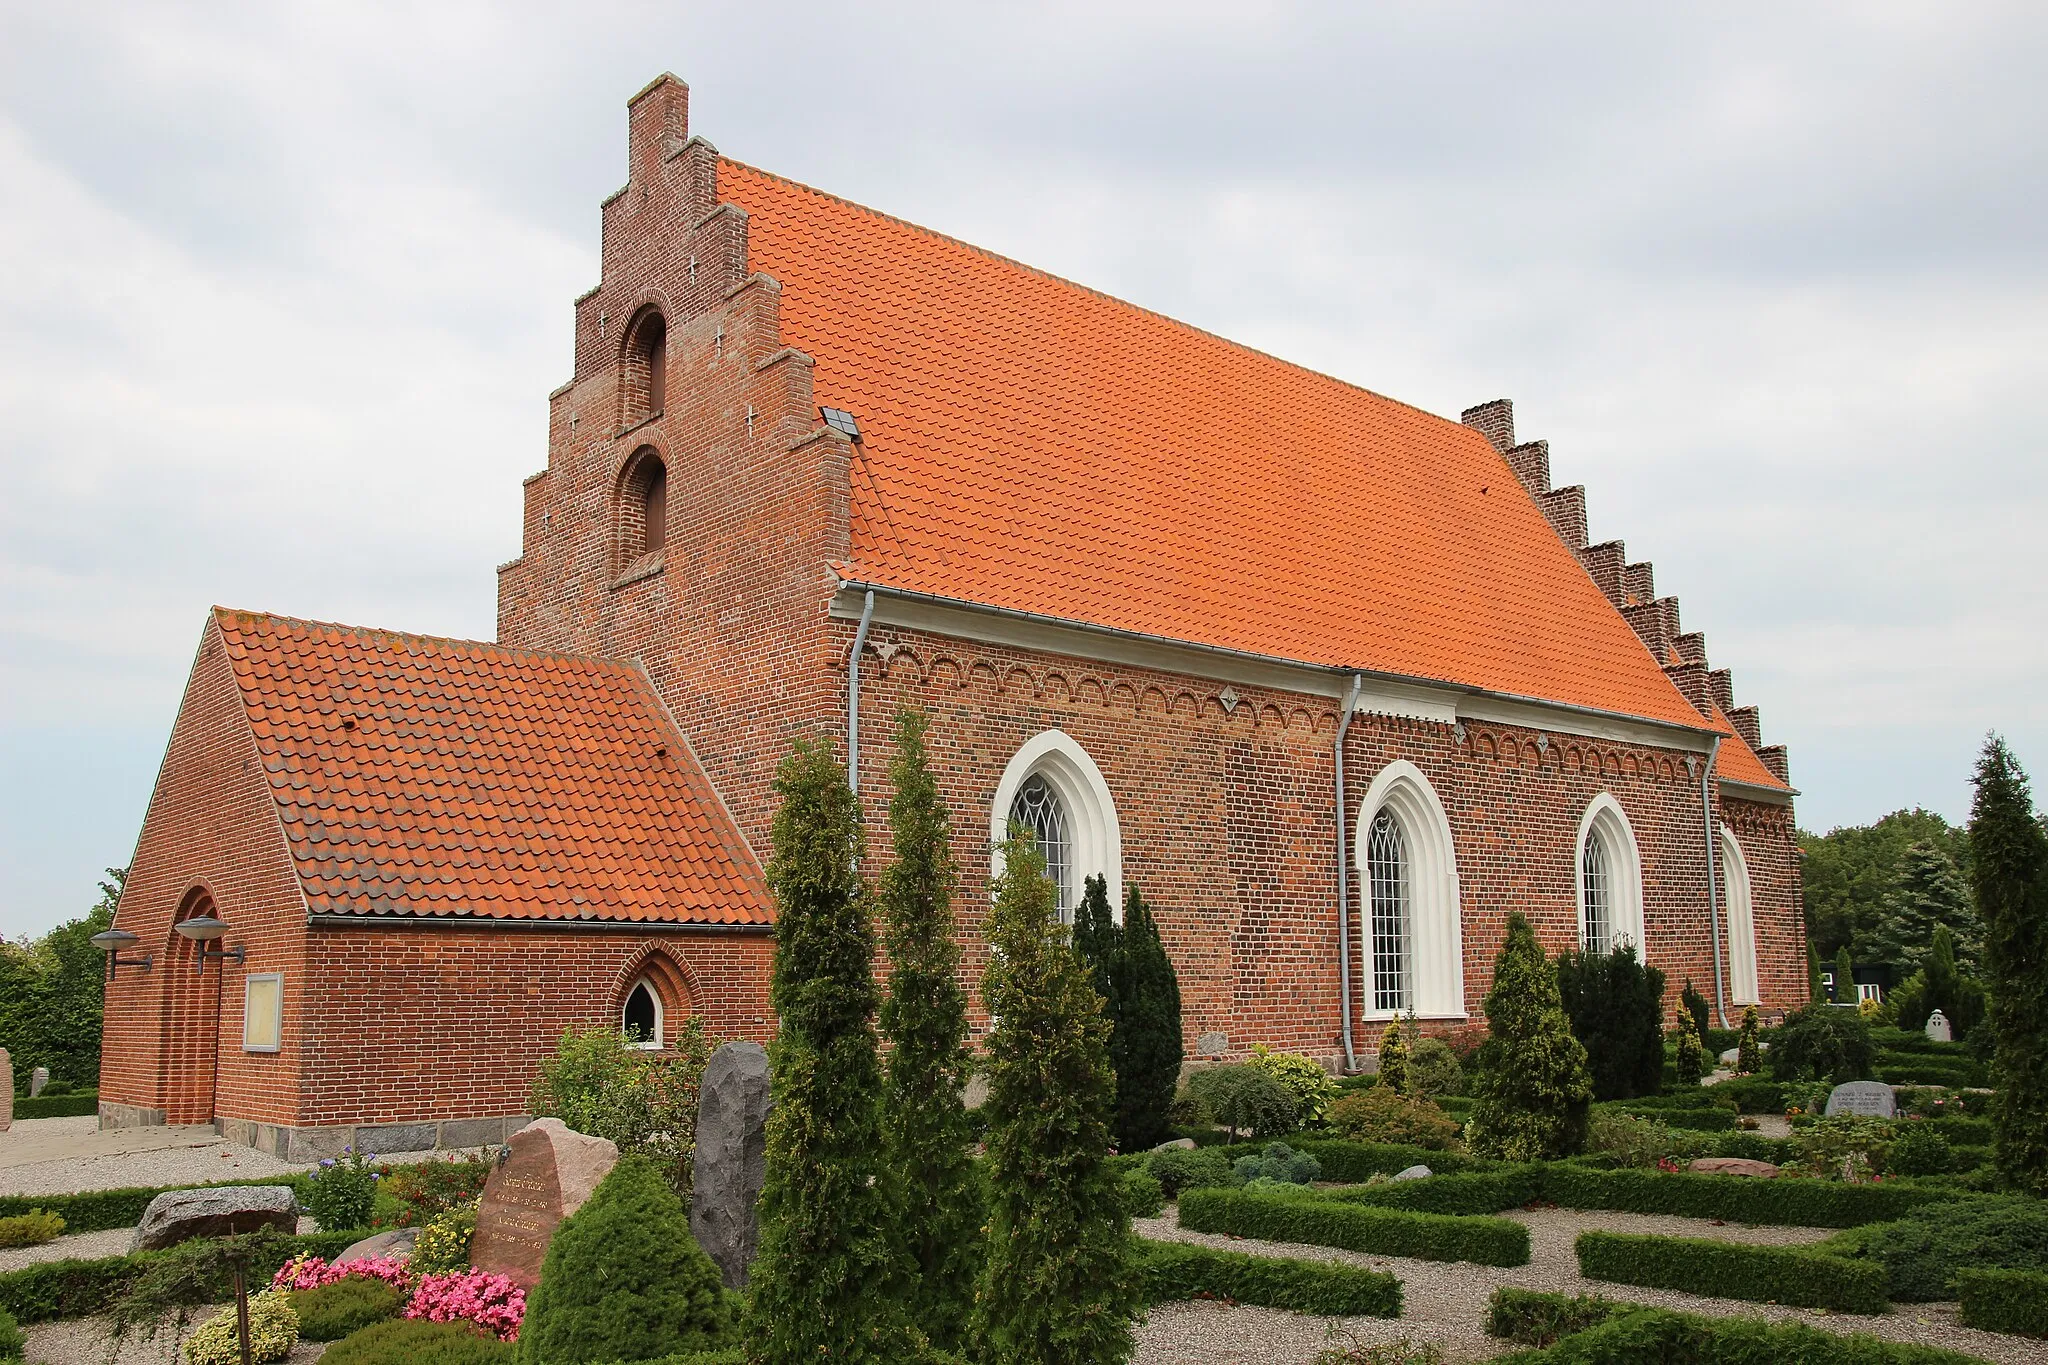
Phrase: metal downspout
pixel 1344 881
pixel 1713 900
pixel 860 640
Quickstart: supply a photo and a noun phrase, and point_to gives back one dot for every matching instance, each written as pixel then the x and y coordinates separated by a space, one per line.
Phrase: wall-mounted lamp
pixel 203 930
pixel 112 942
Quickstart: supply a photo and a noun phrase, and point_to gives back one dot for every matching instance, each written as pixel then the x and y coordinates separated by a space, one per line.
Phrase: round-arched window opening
pixel 1037 808
pixel 653 507
pixel 643 369
pixel 640 1018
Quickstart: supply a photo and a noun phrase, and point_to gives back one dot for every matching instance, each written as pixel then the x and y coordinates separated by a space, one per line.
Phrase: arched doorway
pixel 191 1038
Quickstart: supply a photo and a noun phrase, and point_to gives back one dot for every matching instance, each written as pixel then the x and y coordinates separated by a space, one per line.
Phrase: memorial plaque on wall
pixel 547 1173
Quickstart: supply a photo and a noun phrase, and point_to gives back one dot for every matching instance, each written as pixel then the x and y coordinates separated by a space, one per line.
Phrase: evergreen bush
pixel 1434 1071
pixel 1312 1087
pixel 1245 1100
pixel 1180 1168
pixel 2004 1301
pixel 1532 1093
pixel 934 1195
pixel 411 1341
pixel 1058 1284
pixel 1615 1005
pixel 1923 1252
pixel 1920 1149
pixel 1732 1270
pixel 1466 1193
pixel 333 1311
pixel 1696 1005
pixel 1845 977
pixel 1140 1192
pixel 1786 1202
pixel 12 1342
pixel 624 1279
pixel 273 1331
pixel 1928 894
pixel 1823 1044
pixel 600 1083
pixel 1311 1221
pixel 824 1246
pixel 1383 1115
pixel 1749 1053
pixel 1178 1270
pixel 1689 1056
pixel 30 1229
pixel 1394 1058
pixel 2009 858
pixel 1816 993
pixel 1146 1049
pixel 1279 1163
pixel 1533 1318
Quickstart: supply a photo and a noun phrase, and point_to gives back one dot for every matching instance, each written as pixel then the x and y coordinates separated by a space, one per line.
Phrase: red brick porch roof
pixel 1031 444
pixel 422 776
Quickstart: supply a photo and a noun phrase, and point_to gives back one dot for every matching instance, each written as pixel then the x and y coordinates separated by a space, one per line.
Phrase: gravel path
pixel 84 1246
pixel 67 1156
pixel 1446 1302
pixel 84 1342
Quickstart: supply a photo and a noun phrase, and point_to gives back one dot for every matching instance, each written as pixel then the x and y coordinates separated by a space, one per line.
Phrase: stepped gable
pixel 1033 445
pixel 1631 589
pixel 422 776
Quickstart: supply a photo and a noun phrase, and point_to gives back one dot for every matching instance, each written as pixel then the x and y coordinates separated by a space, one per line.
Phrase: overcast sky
pixel 283 289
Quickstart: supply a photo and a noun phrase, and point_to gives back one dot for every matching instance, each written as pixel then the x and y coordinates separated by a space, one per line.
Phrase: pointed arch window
pixel 1386 863
pixel 1408 930
pixel 640 1016
pixel 1598 896
pixel 1610 879
pixel 1053 788
pixel 1038 808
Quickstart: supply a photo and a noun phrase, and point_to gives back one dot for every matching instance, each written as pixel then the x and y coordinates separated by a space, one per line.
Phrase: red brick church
pixel 1339 683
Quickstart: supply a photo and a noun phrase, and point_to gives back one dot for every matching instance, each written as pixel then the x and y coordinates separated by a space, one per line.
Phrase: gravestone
pixel 1938 1030
pixel 378 1245
pixel 731 1159
pixel 37 1079
pixel 1413 1173
pixel 1872 1098
pixel 1734 1165
pixel 547 1172
pixel 224 1211
pixel 6 1091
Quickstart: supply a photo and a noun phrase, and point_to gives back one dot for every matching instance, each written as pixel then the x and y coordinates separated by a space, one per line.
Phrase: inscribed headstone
pixel 1938 1030
pixel 1872 1098
pixel 6 1091
pixel 546 1174
pixel 731 1159
pixel 37 1079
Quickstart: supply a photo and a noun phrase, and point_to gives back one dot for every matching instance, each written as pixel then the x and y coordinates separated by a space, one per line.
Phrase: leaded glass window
pixel 1598 891
pixel 1037 808
pixel 1386 865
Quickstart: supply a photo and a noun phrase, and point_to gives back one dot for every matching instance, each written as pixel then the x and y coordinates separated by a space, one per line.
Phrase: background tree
pixel 823 1247
pixel 1099 941
pixel 1815 992
pixel 935 1198
pixel 1616 1008
pixel 1057 1285
pixel 1146 1048
pixel 1394 1058
pixel 1689 1056
pixel 1849 872
pixel 1845 977
pixel 51 993
pixel 1531 1097
pixel 2011 880
pixel 1696 1005
pixel 1928 893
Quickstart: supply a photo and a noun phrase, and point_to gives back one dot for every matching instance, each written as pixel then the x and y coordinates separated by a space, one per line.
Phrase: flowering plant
pixel 310 1272
pixel 341 1192
pixel 490 1301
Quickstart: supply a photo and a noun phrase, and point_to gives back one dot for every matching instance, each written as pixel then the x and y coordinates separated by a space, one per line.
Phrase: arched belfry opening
pixel 642 509
pixel 643 373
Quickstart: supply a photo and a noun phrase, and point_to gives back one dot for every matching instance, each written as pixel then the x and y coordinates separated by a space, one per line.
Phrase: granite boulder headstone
pixel 547 1172
pixel 1938 1030
pixel 1413 1173
pixel 731 1159
pixel 1873 1099
pixel 37 1079
pixel 223 1211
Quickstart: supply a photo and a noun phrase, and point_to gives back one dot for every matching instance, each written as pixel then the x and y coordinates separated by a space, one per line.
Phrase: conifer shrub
pixel 1178 1169
pixel 1278 1163
pixel 1845 977
pixel 824 1245
pixel 1146 1047
pixel 1434 1072
pixel 1383 1115
pixel 1140 1192
pixel 1532 1095
pixel 1696 1005
pixel 2009 870
pixel 1533 1318
pixel 1245 1101
pixel 624 1279
pixel 1312 1087
pixel 1924 1251
pixel 1615 1005
pixel 30 1229
pixel 273 1331
pixel 1057 1283
pixel 1749 1053
pixel 935 1197
pixel 1394 1058
pixel 1920 1149
pixel 1689 1057
pixel 330 1312
pixel 12 1342
pixel 2013 1301
pixel 415 1341
pixel 1816 992
pixel 1822 1044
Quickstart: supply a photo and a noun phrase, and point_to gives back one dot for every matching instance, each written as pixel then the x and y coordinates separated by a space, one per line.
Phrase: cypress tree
pixel 2009 860
pixel 1845 977
pixel 1692 1058
pixel 1616 1008
pixel 823 1246
pixel 1057 1285
pixel 1394 1058
pixel 1749 1054
pixel 1532 1095
pixel 1814 990
pixel 1696 1005
pixel 1943 987
pixel 934 1198
pixel 1146 1048
pixel 1099 941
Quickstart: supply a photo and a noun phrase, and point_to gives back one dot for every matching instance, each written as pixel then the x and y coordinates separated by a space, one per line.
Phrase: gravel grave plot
pixel 83 1341
pixel 83 1246
pixel 1445 1302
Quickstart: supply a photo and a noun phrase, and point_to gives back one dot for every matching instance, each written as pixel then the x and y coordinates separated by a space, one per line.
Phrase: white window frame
pixel 1740 917
pixel 1095 839
pixel 653 1043
pixel 1624 872
pixel 1436 935
pixel 249 1012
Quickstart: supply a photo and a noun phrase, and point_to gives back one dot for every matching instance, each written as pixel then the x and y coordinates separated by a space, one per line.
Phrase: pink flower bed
pixel 310 1272
pixel 490 1301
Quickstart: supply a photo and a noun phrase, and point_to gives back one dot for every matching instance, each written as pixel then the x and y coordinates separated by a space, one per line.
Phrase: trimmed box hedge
pixel 1354 1162
pixel 106 1210
pixel 79 1289
pixel 73 1106
pixel 1785 1202
pixel 1532 1317
pixel 2005 1301
pixel 1316 1221
pixel 1730 1270
pixel 1658 1334
pixel 1465 1193
pixel 1178 1270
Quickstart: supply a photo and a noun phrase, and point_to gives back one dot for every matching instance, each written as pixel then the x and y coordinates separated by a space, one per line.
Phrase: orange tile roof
pixel 1737 762
pixel 421 776
pixel 1031 444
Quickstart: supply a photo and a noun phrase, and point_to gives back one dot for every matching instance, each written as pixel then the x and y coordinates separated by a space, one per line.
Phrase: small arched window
pixel 1610 879
pixel 1593 875
pixel 1037 808
pixel 654 507
pixel 640 1017
pixel 642 508
pixel 643 375
pixel 1386 868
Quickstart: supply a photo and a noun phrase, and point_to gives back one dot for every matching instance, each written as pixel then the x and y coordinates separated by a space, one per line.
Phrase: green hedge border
pixel 2014 1301
pixel 1730 1270
pixel 1628 1334
pixel 1179 1270
pixel 1784 1202
pixel 106 1210
pixel 52 1290
pixel 1314 1220
pixel 73 1106
pixel 1461 1193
